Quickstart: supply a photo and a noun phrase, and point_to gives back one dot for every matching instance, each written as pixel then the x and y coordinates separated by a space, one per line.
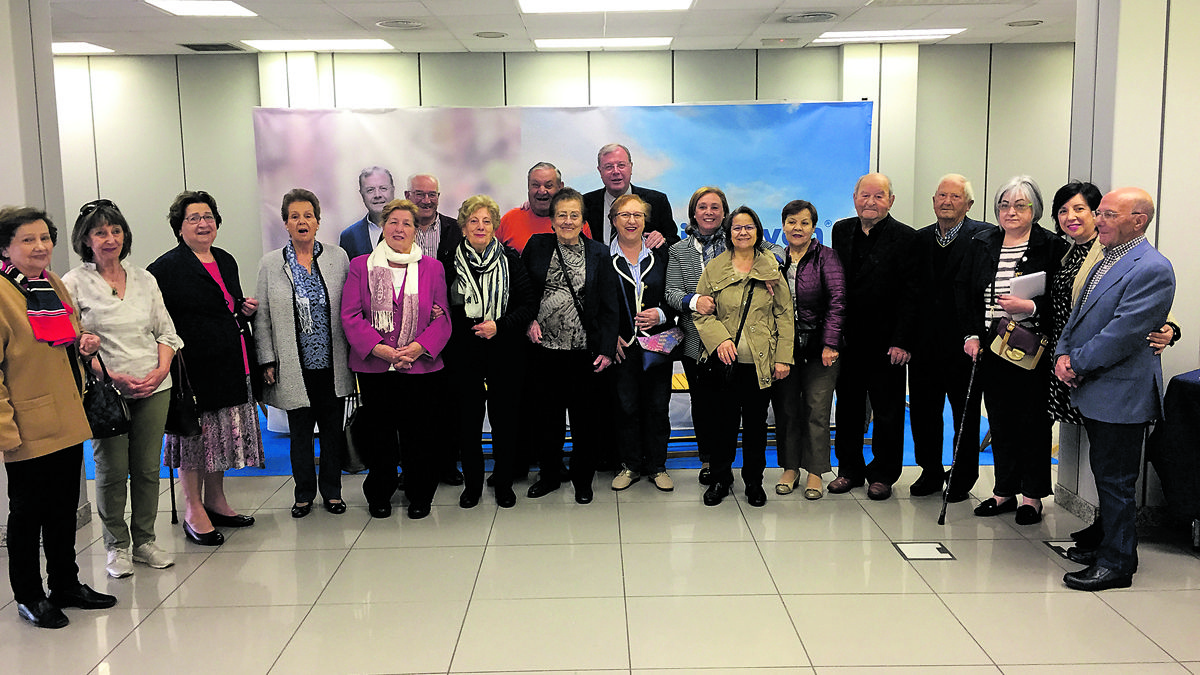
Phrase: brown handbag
pixel 1016 344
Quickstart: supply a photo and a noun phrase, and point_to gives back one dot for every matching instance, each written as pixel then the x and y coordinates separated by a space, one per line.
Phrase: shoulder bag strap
pixel 562 264
pixel 745 311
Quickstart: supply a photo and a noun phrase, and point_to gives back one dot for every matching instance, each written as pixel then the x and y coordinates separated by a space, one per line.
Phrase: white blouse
pixel 130 329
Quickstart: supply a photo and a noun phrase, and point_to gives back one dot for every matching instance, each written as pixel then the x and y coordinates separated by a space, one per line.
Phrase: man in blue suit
pixel 1117 382
pixel 376 187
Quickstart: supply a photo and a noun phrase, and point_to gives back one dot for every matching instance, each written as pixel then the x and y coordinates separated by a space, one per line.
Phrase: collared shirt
pixel 374 233
pixel 431 237
pixel 607 230
pixel 949 238
pixel 635 272
pixel 1111 256
pixel 130 329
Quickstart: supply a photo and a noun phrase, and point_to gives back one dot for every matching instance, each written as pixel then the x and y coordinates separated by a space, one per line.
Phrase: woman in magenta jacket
pixel 395 348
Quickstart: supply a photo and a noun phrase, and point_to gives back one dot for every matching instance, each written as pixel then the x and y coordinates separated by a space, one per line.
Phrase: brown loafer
pixel 842 485
pixel 879 491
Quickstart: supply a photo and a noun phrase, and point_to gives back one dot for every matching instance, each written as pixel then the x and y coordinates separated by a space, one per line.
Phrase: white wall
pixel 140 129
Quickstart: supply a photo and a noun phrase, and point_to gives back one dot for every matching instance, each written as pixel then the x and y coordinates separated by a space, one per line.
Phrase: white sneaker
pixel 150 554
pixel 624 479
pixel 119 566
pixel 662 481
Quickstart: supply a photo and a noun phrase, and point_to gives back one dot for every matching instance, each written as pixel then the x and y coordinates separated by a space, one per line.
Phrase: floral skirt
pixel 229 439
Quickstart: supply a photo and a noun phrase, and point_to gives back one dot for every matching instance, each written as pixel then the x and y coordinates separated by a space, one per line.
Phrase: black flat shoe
pixel 222 520
pixel 928 484
pixel 583 494
pixel 715 493
pixel 452 477
pixel 956 496
pixel 989 507
pixel 83 598
pixel 1082 556
pixel 505 497
pixel 469 499
pixel 336 508
pixel 418 511
pixel 1090 536
pixel 1097 578
pixel 541 488
pixel 756 496
pixel 42 614
pixel 213 538
pixel 301 510
pixel 705 476
pixel 1028 514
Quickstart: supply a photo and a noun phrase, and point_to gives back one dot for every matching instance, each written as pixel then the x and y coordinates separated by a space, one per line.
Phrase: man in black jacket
pixel 615 165
pixel 939 366
pixel 876 252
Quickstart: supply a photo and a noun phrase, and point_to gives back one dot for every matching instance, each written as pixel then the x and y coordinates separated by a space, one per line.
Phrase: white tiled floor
pixel 639 582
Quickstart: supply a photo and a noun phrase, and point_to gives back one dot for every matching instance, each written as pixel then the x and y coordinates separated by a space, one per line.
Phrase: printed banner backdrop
pixel 762 155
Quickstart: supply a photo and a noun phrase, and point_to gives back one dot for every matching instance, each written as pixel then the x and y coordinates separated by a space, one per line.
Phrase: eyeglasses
pixel 1109 215
pixel 93 205
pixel 630 215
pixel 195 218
pixel 422 196
pixel 614 165
pixel 1019 206
pixel 742 228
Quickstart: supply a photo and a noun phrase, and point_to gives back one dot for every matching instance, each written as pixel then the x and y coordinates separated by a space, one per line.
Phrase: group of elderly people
pixel 567 326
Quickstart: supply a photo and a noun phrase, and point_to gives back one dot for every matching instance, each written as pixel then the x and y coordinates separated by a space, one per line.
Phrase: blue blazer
pixel 1120 377
pixel 356 239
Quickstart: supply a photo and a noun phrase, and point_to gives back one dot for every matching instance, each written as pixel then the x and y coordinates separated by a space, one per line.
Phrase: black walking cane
pixel 958 443
pixel 175 514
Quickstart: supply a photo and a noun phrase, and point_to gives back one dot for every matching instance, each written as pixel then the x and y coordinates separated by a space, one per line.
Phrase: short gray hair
pixel 612 147
pixel 371 171
pixel 543 165
pixel 423 175
pixel 968 191
pixel 865 176
pixel 1026 187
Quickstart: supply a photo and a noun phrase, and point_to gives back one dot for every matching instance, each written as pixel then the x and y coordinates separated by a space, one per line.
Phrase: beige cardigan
pixel 41 411
pixel 770 327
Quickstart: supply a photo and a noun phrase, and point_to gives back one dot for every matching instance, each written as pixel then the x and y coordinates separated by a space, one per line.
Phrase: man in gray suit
pixel 1117 383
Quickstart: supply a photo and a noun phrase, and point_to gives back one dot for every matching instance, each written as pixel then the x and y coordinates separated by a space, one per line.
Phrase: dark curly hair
pixel 13 217
pixel 185 199
pixel 97 214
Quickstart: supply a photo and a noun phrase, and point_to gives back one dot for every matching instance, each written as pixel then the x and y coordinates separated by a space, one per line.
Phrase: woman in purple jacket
pixel 395 348
pixel 802 400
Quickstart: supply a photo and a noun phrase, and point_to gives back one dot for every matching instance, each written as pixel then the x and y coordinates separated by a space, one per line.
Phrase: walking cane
pixel 174 513
pixel 958 443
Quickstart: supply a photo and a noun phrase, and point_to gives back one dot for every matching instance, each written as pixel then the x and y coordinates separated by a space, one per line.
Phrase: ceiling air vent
pixel 212 47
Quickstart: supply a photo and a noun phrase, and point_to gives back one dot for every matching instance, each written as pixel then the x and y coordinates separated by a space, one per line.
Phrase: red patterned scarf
pixel 49 317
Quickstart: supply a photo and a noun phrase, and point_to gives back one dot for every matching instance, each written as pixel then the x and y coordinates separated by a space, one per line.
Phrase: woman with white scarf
pixel 492 302
pixel 395 348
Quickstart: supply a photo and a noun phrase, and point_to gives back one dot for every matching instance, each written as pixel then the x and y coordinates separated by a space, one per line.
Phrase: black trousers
pixel 1116 454
pixel 328 411
pixel 1018 411
pixel 704 404
pixel 643 401
pixel 741 401
pixel 43 496
pixel 487 376
pixel 870 373
pixel 407 410
pixel 564 383
pixel 933 377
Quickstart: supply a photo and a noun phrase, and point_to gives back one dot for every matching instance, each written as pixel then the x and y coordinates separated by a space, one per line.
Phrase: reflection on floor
pixel 637 582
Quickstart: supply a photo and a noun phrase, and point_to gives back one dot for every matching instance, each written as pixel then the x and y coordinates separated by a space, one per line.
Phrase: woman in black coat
pixel 576 334
pixel 1017 399
pixel 491 304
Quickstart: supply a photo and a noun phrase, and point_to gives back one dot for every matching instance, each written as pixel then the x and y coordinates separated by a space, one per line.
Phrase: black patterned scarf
pixel 49 318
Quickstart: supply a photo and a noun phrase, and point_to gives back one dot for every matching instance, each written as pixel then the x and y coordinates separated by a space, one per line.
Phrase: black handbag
pixel 106 409
pixel 711 365
pixel 183 415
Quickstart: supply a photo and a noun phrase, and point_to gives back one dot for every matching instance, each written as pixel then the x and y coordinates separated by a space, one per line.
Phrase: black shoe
pixel 213 538
pixel 418 511
pixel 1082 556
pixel 1028 514
pixel 452 477
pixel 715 493
pixel 583 494
pixel 83 598
pixel 43 614
pixel 989 507
pixel 1097 578
pixel 705 476
pixel 755 496
pixel 301 510
pixel 956 496
pixel 222 520
pixel 336 508
pixel 380 510
pixel 469 498
pixel 505 497
pixel 928 484
pixel 541 488
pixel 1090 536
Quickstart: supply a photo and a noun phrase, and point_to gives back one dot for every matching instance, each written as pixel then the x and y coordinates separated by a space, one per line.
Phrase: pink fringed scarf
pixel 379 279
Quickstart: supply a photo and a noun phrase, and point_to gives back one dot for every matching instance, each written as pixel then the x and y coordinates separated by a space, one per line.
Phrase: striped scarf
pixel 482 280
pixel 49 318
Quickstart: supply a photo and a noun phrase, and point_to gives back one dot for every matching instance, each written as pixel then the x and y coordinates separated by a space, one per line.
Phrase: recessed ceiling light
pixel 369 45
pixel 602 43
pixel 577 6
pixel 921 35
pixel 78 48
pixel 201 7
pixel 1028 23
pixel 810 17
pixel 491 34
pixel 400 24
